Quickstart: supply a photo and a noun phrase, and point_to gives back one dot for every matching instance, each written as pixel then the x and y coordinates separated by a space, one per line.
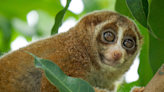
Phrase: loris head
pixel 113 39
pixel 118 42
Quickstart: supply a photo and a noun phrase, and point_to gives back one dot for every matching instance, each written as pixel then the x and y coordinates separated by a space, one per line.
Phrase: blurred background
pixel 24 21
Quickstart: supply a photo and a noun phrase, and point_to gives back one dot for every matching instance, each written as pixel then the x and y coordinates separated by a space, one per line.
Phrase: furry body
pixel 78 52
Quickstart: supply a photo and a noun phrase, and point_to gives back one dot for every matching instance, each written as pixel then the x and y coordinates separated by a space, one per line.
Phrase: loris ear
pixel 96 17
pixel 141 41
pixel 91 19
pixel 139 36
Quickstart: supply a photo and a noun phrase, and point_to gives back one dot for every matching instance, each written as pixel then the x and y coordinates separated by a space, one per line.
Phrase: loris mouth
pixel 112 63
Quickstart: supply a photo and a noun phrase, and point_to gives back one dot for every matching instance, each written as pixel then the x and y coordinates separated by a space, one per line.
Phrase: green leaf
pixel 122 8
pixel 56 77
pixel 139 10
pixel 156 49
pixel 59 18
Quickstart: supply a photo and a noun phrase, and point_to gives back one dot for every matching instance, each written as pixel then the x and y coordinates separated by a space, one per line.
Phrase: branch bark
pixel 156 84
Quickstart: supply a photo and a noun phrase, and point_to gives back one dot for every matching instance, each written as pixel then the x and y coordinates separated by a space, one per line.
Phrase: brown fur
pixel 76 52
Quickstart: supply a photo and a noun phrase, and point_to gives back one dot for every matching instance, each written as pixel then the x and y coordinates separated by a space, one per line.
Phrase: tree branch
pixel 156 84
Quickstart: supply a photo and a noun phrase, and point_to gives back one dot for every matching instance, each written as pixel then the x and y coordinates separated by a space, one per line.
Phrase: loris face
pixel 118 41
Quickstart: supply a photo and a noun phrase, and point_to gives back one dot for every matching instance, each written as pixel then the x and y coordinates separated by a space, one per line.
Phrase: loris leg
pixel 46 86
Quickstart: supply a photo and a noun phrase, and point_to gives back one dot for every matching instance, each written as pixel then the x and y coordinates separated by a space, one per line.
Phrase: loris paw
pixel 100 90
pixel 138 89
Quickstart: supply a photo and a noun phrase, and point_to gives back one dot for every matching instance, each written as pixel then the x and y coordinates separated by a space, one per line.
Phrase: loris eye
pixel 128 43
pixel 109 36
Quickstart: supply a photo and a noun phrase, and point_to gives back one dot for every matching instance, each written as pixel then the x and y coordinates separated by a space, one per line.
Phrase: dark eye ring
pixel 128 43
pixel 109 36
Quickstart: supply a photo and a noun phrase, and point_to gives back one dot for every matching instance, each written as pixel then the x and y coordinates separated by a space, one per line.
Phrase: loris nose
pixel 117 55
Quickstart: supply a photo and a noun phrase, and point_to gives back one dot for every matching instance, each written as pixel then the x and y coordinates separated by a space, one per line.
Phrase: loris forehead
pixel 121 23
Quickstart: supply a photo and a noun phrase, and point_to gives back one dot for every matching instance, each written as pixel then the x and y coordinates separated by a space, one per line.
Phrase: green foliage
pixel 56 76
pixel 126 87
pixel 20 8
pixel 90 5
pixel 59 18
pixel 144 70
pixel 122 8
pixel 156 49
pixel 151 56
pixel 11 10
pixel 139 9
pixel 5 34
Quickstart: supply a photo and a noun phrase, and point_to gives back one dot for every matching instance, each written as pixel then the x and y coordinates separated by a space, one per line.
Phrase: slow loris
pixel 100 48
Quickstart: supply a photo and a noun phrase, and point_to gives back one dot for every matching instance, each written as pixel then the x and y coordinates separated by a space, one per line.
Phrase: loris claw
pixel 138 89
